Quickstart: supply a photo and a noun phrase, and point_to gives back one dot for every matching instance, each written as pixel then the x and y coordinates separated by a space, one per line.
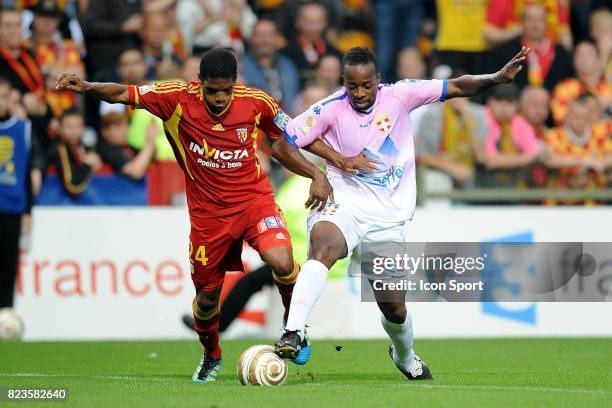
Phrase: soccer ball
pixel 11 325
pixel 259 365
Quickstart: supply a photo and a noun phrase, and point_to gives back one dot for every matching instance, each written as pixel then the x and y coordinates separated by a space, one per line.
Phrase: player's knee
pixel 206 305
pixel 395 312
pixel 284 267
pixel 281 261
pixel 325 252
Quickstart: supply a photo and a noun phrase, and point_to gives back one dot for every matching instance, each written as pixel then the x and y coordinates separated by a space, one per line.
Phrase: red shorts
pixel 215 243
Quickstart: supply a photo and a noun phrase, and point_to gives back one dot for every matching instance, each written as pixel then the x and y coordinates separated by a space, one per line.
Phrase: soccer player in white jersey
pixel 366 119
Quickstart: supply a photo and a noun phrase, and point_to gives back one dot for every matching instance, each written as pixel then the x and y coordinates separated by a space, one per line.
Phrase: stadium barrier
pixel 122 273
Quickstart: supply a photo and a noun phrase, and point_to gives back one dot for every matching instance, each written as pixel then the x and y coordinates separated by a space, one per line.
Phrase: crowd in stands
pixel 552 128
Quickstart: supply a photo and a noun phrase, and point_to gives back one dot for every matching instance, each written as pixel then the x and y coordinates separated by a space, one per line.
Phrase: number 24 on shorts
pixel 200 254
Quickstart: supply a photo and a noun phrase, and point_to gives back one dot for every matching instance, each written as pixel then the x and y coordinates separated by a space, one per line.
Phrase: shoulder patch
pixel 144 89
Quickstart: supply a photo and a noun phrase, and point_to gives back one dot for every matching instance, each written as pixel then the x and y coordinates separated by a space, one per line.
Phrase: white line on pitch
pixel 451 386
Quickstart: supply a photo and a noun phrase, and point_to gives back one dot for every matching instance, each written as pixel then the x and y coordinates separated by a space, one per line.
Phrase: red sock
pixel 285 290
pixel 208 331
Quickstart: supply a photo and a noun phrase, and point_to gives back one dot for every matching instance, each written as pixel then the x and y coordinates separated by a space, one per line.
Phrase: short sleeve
pixel 161 99
pixel 273 119
pixel 414 92
pixel 309 125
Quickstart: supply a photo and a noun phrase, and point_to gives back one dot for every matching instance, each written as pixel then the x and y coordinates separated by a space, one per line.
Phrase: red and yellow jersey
pixel 598 146
pixel 508 13
pixel 218 153
pixel 568 90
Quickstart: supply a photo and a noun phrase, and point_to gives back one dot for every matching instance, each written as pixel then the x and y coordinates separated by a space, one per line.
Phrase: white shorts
pixel 356 229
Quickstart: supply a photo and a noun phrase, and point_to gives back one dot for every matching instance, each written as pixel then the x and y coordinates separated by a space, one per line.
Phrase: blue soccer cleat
pixel 292 347
pixel 305 351
pixel 207 371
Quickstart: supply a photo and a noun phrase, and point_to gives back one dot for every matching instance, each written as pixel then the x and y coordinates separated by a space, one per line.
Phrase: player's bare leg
pixel 327 245
pixel 398 324
pixel 285 272
pixel 206 312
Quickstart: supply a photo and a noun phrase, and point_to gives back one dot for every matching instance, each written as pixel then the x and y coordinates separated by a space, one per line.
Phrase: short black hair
pixel 360 56
pixel 71 112
pixel 218 63
pixel 504 92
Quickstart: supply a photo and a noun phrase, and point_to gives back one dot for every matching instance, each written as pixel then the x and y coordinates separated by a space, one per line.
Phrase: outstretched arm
pixel 109 92
pixel 470 85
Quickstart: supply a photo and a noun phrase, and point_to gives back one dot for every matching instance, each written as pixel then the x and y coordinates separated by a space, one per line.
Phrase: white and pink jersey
pixel 383 133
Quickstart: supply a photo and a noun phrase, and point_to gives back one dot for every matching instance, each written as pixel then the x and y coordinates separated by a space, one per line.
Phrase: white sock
pixel 401 337
pixel 306 292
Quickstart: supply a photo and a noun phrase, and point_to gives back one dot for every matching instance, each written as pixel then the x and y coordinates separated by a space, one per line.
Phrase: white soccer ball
pixel 259 365
pixel 11 325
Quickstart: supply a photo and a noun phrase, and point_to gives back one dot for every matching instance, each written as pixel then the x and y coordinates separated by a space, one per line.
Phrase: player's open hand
pixel 361 163
pixel 513 67
pixel 70 82
pixel 320 191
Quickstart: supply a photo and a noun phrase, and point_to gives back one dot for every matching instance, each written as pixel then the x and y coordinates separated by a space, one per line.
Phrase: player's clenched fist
pixel 70 82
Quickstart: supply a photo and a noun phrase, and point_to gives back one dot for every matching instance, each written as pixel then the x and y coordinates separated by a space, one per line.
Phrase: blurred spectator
pixel 581 149
pixel 19 66
pixel 580 13
pixel 311 95
pixel 589 78
pixel 111 26
pixel 534 107
pixel 75 163
pixel 460 43
pixel 511 144
pixel 327 76
pixel 18 174
pixel 503 20
pixel 160 56
pixel 54 55
pixel 410 64
pixel 215 23
pixel 601 32
pixel 266 68
pixel 132 70
pixel 396 25
pixel 329 73
pixel 191 68
pixel 123 158
pixel 310 44
pixel 451 139
pixel 547 63
pixel 175 35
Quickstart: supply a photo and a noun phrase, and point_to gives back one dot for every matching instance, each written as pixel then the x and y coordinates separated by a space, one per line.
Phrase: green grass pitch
pixel 508 372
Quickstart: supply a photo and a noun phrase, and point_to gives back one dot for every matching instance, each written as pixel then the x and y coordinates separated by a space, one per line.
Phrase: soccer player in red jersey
pixel 213 126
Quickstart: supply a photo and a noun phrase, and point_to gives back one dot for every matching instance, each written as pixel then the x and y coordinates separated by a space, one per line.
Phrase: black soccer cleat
pixel 289 345
pixel 419 372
